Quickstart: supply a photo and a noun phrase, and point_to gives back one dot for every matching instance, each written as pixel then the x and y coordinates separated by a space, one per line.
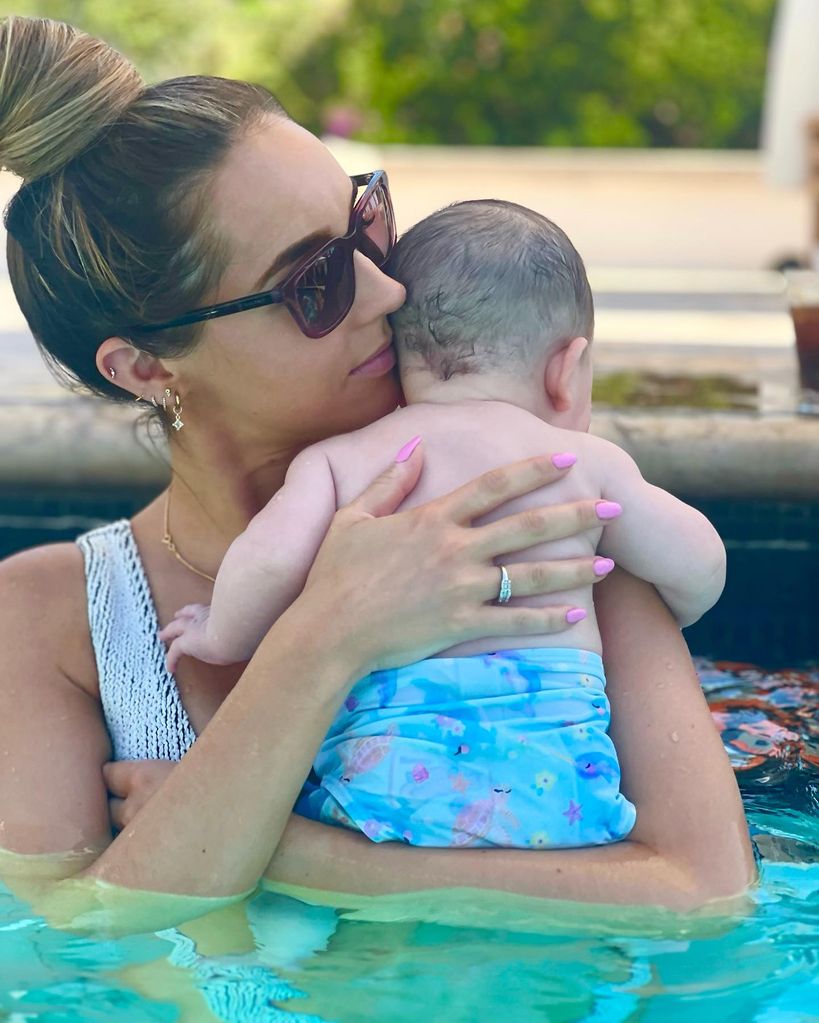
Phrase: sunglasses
pixel 320 290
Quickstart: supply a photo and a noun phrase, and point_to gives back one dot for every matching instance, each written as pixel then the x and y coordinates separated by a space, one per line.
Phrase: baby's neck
pixel 423 388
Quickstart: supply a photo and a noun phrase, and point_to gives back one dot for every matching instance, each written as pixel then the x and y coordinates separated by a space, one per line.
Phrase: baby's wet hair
pixel 491 286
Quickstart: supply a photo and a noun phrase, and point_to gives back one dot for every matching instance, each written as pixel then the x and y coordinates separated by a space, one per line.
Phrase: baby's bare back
pixel 461 441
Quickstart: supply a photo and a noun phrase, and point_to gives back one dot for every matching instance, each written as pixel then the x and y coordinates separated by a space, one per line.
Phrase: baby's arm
pixel 263 571
pixel 659 538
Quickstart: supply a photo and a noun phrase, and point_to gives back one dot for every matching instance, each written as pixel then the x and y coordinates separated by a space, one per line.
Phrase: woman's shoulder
pixel 44 614
pixel 51 574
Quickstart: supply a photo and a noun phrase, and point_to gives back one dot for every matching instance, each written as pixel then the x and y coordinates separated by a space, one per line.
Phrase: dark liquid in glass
pixel 806 325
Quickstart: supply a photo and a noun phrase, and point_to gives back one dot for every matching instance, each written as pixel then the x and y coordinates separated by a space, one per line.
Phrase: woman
pixel 140 205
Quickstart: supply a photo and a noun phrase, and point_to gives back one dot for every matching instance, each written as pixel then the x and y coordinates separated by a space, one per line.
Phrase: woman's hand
pixel 394 588
pixel 131 783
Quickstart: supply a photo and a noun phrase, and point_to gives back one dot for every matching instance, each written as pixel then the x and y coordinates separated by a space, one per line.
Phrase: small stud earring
pixel 177 424
pixel 112 373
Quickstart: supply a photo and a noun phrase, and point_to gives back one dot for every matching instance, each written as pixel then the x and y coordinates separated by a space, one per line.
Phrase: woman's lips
pixel 377 365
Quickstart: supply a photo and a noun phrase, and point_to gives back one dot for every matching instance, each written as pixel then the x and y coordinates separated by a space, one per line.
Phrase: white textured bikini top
pixel 140 700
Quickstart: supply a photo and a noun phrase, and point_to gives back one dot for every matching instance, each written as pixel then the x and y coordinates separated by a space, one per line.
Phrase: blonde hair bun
pixel 59 90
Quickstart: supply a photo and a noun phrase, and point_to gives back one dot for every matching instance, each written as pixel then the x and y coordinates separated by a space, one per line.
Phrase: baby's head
pixel 497 296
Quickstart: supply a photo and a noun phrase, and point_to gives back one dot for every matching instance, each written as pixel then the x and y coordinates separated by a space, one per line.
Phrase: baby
pixel 495 741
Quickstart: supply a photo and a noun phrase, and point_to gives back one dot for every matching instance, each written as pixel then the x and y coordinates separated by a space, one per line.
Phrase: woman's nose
pixel 381 293
pixel 398 291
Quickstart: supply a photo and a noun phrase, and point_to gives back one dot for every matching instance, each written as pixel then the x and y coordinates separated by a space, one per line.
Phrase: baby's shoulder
pixel 391 431
pixel 598 460
pixel 601 455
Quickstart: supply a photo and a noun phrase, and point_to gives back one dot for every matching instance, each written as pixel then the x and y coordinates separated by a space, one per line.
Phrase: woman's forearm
pixel 315 856
pixel 212 826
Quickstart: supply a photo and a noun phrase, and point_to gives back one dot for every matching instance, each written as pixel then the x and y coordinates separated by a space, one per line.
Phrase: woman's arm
pixel 690 843
pixel 384 589
pixel 674 766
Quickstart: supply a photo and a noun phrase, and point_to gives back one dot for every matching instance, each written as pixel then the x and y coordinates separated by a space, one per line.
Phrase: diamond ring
pixel 505 592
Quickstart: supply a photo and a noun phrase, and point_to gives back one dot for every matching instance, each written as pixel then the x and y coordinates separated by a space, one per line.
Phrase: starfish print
pixel 573 812
pixel 459 783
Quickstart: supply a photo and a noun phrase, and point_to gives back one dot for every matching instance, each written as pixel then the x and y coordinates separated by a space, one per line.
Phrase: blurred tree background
pixel 463 72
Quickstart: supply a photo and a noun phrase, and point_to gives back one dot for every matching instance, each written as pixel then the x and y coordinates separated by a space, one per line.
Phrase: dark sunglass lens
pixel 376 224
pixel 311 288
pixel 326 288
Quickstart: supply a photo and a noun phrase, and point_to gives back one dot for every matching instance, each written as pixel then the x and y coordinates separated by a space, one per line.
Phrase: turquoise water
pixel 275 959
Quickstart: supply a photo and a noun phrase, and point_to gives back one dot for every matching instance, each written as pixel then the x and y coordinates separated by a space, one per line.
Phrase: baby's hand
pixel 188 636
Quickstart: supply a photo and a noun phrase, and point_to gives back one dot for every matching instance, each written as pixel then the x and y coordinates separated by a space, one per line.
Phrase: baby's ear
pixel 561 370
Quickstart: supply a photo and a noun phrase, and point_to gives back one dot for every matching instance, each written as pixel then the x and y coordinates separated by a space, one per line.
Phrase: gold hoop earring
pixel 165 397
pixel 177 424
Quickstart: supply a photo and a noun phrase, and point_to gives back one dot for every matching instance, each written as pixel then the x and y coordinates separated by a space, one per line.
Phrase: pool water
pixel 462 957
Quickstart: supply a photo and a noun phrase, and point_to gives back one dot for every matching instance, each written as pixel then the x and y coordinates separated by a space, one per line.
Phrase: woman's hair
pixel 109 228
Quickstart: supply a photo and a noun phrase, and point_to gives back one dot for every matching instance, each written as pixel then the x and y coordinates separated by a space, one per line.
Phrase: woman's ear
pixel 560 377
pixel 134 371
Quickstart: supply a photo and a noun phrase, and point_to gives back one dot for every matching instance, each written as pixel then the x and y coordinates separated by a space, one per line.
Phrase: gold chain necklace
pixel 168 541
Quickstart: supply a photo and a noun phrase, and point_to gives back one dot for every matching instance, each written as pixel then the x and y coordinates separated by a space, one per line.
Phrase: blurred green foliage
pixel 254 39
pixel 492 72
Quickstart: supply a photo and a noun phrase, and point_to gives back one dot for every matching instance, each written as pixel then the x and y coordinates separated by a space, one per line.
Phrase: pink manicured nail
pixel 577 614
pixel 602 566
pixel 407 449
pixel 608 509
pixel 563 460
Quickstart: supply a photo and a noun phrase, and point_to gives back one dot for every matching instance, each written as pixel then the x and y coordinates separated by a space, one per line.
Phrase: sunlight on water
pixel 464 956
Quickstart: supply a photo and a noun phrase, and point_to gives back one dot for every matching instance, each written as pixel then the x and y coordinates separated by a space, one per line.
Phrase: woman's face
pixel 254 373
